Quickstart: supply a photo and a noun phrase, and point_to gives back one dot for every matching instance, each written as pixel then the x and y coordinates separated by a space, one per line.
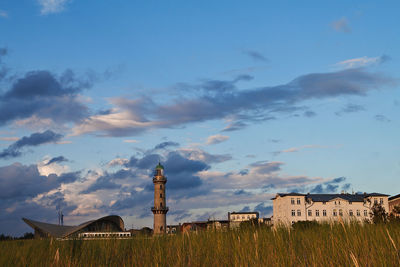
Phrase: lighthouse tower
pixel 160 208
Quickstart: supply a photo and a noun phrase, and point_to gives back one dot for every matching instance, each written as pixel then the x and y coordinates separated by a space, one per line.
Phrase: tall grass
pixel 321 245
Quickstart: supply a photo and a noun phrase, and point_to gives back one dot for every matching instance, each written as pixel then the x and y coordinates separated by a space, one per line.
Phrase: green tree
pixel 378 214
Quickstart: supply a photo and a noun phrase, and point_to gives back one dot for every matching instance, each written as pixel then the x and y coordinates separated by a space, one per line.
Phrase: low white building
pixel 235 218
pixel 289 208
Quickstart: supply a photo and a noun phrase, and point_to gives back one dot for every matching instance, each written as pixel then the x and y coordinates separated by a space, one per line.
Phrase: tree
pixel 378 214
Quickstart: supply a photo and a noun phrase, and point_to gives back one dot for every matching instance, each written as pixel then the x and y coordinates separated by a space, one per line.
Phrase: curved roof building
pixel 112 223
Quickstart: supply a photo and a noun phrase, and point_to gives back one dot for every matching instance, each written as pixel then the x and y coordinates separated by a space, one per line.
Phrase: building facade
pixel 160 208
pixel 106 227
pixel 289 208
pixel 393 202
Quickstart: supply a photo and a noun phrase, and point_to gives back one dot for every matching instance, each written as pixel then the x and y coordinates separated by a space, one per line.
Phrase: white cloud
pixel 118 162
pixel 52 6
pixel 216 139
pixel 131 141
pixel 361 62
pixel 52 168
pixel 3 14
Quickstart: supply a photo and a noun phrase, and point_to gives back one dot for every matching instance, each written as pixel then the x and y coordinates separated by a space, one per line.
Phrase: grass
pixel 321 245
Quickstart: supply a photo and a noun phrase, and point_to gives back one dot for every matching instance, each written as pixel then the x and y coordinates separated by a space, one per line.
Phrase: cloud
pixel 131 141
pixel 23 181
pixel 3 14
pixel 350 108
pixel 362 62
pixel 165 145
pixel 201 155
pixel 223 100
pixel 216 139
pixel 35 139
pixel 341 25
pixel 52 6
pixel 382 118
pixel 330 186
pixel 310 114
pixel 235 126
pixel 296 149
pixel 256 56
pixel 43 97
pixel 56 160
pixel 263 209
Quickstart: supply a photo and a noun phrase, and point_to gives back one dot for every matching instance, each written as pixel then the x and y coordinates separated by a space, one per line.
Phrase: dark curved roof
pixel 62 231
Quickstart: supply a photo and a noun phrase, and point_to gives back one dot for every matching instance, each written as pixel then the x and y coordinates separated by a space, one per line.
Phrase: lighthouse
pixel 160 208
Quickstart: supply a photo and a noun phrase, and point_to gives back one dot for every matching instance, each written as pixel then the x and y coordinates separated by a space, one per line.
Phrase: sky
pixel 238 100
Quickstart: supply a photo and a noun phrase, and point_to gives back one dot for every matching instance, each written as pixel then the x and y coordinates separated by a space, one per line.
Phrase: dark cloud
pixel 35 139
pixel 245 209
pixel 215 99
pixel 331 186
pixel 257 56
pixel 263 209
pixel 42 94
pixel 56 160
pixel 350 108
pixel 21 181
pixel 241 192
pixel 382 118
pixel 244 172
pixel 165 145
pixel 309 114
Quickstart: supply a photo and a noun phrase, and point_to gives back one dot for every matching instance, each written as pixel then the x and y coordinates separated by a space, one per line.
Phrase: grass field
pixel 323 245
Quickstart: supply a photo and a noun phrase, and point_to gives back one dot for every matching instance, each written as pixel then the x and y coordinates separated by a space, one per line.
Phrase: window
pixel 248 217
pixel 160 204
pixel 350 202
pixel 334 213
pixel 317 213
pixel 335 202
pixel 340 212
pixel 381 201
pixel 351 212
pixel 339 202
pixel 358 213
pixel 375 201
pixel 292 201
pixel 160 186
pixel 298 213
pixel 324 213
pixel 298 201
pixel 323 202
pixel 309 213
pixel 293 213
pixel 365 213
pixel 160 195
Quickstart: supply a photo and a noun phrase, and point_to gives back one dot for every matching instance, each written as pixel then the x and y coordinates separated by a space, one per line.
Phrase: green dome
pixel 159 167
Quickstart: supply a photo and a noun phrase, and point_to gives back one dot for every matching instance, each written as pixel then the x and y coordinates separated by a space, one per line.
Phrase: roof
pixel 159 166
pixel 287 194
pixel 244 212
pixel 62 231
pixel 394 197
pixel 328 197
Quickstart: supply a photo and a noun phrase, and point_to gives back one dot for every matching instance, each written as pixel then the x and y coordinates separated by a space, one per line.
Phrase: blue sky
pixel 238 101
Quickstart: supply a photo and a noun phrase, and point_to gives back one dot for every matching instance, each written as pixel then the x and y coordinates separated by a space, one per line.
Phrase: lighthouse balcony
pixel 159 209
pixel 159 180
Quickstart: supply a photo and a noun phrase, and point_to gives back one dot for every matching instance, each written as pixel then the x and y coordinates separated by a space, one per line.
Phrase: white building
pixel 293 207
pixel 235 218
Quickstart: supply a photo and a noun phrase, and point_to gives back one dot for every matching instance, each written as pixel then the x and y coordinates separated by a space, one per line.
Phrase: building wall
pixel 290 209
pixel 393 203
pixel 241 217
pixel 283 207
